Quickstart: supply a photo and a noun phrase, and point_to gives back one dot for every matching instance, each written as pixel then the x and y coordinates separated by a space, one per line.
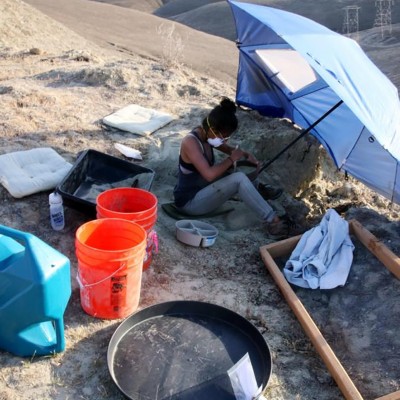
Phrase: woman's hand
pixel 237 154
pixel 251 158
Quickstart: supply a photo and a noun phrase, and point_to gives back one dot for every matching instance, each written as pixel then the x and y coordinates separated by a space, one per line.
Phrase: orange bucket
pixel 137 205
pixel 110 254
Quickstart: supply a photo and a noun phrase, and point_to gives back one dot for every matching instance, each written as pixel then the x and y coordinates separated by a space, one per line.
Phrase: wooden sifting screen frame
pixel 285 247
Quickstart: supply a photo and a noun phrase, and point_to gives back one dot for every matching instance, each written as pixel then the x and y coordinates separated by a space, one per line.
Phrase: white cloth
pixel 31 171
pixel 128 151
pixel 136 119
pixel 323 256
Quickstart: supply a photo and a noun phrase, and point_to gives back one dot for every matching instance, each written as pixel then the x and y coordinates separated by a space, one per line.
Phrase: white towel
pixel 323 256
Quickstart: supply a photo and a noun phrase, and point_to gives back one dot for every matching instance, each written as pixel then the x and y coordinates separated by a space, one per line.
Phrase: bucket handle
pixel 153 239
pixel 86 285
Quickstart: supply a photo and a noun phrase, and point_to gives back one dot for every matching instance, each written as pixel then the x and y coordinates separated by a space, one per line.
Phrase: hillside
pixel 128 31
pixel 330 13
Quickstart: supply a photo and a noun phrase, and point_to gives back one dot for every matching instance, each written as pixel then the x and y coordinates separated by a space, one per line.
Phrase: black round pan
pixel 183 350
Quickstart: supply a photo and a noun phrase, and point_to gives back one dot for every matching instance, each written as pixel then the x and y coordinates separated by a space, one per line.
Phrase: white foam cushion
pixel 26 172
pixel 137 119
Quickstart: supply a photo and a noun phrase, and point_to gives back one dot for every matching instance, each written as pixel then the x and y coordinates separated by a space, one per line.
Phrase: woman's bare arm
pixel 192 152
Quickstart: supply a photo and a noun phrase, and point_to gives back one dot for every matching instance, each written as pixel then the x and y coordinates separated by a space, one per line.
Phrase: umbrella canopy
pixel 292 67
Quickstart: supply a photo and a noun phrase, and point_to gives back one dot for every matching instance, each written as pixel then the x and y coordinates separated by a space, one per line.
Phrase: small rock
pixel 35 51
pixel 345 191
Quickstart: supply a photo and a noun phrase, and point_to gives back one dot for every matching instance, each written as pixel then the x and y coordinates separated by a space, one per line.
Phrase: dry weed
pixel 173 46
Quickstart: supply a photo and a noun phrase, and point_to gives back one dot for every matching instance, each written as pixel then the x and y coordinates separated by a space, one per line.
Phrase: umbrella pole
pixel 268 163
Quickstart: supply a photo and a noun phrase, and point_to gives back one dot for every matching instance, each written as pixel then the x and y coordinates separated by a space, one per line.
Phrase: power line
pixel 350 23
pixel 383 18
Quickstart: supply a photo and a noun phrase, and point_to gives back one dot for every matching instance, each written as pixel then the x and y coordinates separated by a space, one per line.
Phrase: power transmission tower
pixel 350 23
pixel 383 17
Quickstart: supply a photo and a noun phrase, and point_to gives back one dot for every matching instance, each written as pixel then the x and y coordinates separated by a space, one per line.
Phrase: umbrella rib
pixel 352 148
pixel 312 126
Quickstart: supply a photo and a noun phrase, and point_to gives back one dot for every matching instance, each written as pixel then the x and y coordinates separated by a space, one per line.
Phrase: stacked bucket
pixel 135 205
pixel 114 249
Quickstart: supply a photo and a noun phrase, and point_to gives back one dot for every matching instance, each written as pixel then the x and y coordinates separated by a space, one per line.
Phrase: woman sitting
pixel 204 185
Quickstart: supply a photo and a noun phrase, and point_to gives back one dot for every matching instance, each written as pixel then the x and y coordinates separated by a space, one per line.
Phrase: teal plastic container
pixel 35 286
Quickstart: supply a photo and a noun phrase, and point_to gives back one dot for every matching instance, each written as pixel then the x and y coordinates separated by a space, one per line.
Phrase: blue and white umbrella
pixel 295 68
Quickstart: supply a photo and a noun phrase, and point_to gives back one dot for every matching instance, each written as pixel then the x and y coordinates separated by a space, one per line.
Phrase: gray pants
pixel 218 192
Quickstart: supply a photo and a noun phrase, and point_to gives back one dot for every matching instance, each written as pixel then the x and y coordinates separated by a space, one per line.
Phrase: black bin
pixel 94 172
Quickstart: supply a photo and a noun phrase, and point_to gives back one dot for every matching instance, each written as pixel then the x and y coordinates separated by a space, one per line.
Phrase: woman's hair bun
pixel 228 105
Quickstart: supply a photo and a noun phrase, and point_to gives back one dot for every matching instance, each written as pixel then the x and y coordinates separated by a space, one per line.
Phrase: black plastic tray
pixel 94 172
pixel 183 350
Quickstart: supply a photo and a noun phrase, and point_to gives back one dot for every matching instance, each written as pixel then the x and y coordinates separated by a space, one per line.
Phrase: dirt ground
pixel 56 96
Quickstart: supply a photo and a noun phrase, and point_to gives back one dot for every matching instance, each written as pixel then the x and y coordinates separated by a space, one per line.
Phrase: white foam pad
pixel 137 119
pixel 26 172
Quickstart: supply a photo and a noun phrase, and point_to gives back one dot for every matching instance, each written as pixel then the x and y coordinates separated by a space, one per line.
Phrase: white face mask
pixel 215 142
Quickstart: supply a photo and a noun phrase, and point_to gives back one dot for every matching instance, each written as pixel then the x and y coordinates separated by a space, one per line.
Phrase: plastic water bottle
pixel 56 211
